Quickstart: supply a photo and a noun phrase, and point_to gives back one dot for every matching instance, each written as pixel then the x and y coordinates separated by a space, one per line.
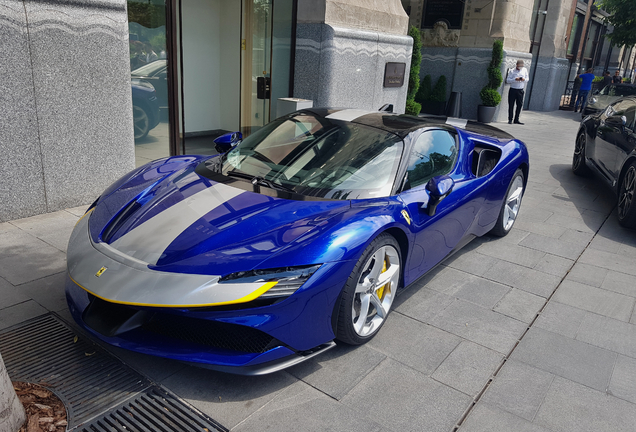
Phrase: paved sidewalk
pixel 532 332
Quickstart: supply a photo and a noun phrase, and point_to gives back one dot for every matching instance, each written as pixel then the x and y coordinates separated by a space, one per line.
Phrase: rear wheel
pixel 626 205
pixel 510 207
pixel 369 292
pixel 578 160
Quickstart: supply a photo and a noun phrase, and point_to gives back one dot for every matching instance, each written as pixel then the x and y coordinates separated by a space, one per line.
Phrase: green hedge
pixel 495 79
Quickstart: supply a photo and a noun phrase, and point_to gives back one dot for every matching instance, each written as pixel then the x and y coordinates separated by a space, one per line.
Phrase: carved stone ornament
pixel 440 35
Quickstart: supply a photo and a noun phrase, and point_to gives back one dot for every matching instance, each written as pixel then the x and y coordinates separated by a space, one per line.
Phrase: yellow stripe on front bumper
pixel 252 296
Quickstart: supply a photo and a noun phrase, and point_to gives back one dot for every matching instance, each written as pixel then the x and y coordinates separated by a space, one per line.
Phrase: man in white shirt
pixel 517 78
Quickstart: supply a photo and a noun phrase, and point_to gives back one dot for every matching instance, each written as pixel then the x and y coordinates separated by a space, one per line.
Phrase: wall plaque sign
pixel 394 74
pixel 450 11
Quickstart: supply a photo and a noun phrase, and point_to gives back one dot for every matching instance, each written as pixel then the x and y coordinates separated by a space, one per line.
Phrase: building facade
pixel 555 38
pixel 93 88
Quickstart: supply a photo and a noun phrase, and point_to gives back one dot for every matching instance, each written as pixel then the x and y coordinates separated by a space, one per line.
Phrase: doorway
pixel 236 60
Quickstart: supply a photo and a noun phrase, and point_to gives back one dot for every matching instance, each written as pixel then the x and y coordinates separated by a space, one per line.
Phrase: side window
pixel 433 154
pixel 625 108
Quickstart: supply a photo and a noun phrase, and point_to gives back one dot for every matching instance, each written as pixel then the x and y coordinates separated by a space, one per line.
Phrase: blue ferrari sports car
pixel 300 235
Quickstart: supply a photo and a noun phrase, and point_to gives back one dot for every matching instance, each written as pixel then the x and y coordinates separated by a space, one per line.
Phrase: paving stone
pixel 609 261
pixel 595 300
pixel 10 295
pixel 561 318
pixel 448 280
pixel 471 262
pixel 6 227
pixel 514 236
pixel 621 283
pixel 480 325
pixel 587 274
pixel 29 259
pixel 623 383
pixel 605 244
pixel 338 370
pixel 538 227
pixel 78 211
pixel 482 292
pixel 17 243
pixel 17 313
pixel 513 253
pixel 303 408
pixel 553 246
pixel 486 418
pixel 524 278
pixel 468 368
pixel 428 406
pixel 48 291
pixel 413 343
pixel 611 334
pixel 520 305
pixel 578 238
pixel 46 223
pixel 565 357
pixel 424 304
pixel 570 406
pixel 227 398
pixel 554 265
pixel 518 389
pixel 590 225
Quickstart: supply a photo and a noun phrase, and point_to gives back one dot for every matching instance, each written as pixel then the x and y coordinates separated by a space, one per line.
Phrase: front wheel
pixel 141 122
pixel 369 292
pixel 510 206
pixel 626 206
pixel 578 159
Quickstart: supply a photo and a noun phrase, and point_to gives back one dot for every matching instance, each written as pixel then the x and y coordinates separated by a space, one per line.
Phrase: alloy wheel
pixel 375 290
pixel 627 192
pixel 513 202
pixel 579 151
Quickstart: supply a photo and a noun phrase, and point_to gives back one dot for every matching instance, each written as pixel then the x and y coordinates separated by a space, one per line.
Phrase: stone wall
pixel 340 67
pixel 65 102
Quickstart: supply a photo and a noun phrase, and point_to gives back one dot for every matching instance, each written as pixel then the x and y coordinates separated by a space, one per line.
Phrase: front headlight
pixel 286 280
pixel 594 100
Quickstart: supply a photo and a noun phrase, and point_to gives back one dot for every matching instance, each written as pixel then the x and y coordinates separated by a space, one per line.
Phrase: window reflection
pixel 149 84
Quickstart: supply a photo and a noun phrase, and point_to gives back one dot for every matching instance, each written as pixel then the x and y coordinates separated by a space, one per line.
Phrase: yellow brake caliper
pixel 386 286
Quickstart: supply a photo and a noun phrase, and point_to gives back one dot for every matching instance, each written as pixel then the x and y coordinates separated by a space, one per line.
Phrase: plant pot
pixel 435 108
pixel 485 114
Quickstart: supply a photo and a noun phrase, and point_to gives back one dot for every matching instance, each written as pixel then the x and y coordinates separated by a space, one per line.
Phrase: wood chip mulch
pixel 45 411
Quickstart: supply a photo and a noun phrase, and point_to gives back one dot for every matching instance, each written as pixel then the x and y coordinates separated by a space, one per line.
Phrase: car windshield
pixel 621 90
pixel 149 69
pixel 319 157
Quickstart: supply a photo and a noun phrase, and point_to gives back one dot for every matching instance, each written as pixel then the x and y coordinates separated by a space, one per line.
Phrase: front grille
pixel 212 333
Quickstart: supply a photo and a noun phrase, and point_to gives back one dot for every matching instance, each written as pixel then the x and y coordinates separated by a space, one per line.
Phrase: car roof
pixel 402 125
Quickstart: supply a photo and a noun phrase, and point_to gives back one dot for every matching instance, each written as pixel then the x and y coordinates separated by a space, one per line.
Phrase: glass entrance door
pixel 256 53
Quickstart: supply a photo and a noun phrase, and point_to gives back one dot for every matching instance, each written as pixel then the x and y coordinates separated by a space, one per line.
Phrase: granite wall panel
pixel 66 126
pixel 81 74
pixel 22 186
pixel 548 83
pixel 340 67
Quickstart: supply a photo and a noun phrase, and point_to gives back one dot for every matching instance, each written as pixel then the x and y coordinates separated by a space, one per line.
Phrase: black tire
pixel 508 213
pixel 350 300
pixel 578 159
pixel 626 205
pixel 141 121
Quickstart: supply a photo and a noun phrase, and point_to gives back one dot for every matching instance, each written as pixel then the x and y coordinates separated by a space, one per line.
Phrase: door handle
pixel 263 87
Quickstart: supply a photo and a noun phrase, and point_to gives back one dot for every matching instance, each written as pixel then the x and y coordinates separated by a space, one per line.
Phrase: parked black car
pixel 606 145
pixel 605 96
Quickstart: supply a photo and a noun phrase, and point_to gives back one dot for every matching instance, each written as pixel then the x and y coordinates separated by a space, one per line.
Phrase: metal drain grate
pixel 153 410
pixel 85 377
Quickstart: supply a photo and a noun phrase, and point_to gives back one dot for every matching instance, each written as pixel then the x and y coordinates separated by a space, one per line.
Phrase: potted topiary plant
pixel 490 96
pixel 412 107
pixel 434 101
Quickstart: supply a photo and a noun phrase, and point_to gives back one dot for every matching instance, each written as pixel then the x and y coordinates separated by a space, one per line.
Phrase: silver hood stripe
pixel 148 241
pixel 128 281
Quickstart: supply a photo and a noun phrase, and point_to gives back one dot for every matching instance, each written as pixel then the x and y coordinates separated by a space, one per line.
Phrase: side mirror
pixel 438 187
pixel 616 121
pixel 228 141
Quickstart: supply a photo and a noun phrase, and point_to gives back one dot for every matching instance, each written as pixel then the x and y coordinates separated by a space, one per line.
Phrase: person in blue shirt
pixel 584 91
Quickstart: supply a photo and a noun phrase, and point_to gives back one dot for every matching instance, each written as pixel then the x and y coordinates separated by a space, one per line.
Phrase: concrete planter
pixel 485 114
